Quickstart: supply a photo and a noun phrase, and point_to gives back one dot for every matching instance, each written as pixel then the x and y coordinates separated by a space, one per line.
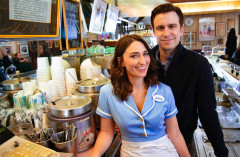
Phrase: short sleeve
pixel 172 109
pixel 103 109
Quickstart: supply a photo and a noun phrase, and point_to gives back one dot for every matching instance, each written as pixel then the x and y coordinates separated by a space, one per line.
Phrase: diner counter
pixel 228 108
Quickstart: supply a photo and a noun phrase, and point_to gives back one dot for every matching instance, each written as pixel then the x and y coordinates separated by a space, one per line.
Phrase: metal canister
pixel 91 88
pixel 13 86
pixel 75 110
pixel 86 131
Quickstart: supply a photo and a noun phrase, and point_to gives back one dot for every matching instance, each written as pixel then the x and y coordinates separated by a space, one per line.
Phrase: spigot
pixel 12 68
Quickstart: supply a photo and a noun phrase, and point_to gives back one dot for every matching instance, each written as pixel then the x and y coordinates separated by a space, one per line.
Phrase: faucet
pixel 10 67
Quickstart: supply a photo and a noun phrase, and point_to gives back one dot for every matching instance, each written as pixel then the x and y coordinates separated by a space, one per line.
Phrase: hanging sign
pixel 72 24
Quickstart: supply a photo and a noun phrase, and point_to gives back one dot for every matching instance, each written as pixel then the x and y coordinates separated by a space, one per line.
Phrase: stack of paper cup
pixel 58 76
pixel 43 69
pixel 71 80
pixel 90 69
pixel 29 87
pixel 49 88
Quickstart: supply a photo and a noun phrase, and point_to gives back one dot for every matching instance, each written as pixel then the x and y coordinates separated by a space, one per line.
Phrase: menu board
pixel 72 24
pixel 29 18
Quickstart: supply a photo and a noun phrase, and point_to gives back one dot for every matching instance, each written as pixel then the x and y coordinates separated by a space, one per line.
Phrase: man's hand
pixel 24 60
pixel 118 131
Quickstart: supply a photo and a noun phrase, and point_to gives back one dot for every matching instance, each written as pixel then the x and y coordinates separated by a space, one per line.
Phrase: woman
pixel 143 108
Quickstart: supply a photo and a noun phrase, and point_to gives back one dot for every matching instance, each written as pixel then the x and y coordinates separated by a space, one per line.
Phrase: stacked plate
pixel 57 71
pixel 43 69
pixel 71 80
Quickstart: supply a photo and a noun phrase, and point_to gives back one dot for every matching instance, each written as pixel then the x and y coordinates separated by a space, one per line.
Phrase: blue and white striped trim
pixel 104 112
pixel 153 102
pixel 145 131
pixel 171 112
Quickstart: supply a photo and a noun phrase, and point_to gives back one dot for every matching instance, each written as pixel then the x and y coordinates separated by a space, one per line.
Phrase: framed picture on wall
pixel 230 23
pixel 8 48
pixel 112 17
pixel 30 19
pixel 23 49
pixel 206 28
pixel 189 38
pixel 97 16
pixel 221 29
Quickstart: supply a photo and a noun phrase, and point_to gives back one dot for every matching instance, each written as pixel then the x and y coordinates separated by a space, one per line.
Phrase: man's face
pixel 19 56
pixel 167 30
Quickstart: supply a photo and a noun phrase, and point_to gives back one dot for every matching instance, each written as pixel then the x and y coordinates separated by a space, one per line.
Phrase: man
pixel 18 60
pixel 189 76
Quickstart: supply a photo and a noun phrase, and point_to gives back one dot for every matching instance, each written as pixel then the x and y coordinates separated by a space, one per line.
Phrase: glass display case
pixel 207 50
pixel 218 51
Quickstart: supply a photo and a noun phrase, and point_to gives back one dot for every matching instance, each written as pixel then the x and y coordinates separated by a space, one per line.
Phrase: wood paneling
pixel 184 1
pixel 209 7
pixel 218 18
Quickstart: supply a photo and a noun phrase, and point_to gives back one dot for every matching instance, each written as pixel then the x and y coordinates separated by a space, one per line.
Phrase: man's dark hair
pixel 165 8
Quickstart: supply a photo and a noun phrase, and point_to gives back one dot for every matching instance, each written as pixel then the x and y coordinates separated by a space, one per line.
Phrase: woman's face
pixel 136 60
pixel 41 49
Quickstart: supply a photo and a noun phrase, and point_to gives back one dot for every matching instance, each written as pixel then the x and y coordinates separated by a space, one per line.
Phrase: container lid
pixel 94 82
pixel 76 118
pixel 71 102
pixel 10 82
pixel 15 81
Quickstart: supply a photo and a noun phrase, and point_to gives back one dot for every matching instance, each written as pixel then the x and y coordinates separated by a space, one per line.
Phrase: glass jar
pixel 80 52
pixel 100 50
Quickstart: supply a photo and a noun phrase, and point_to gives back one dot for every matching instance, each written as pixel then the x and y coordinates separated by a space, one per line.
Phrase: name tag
pixel 158 98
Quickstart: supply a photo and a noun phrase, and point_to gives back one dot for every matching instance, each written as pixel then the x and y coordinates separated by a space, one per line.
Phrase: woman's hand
pixel 104 138
pixel 176 137
pixel 118 131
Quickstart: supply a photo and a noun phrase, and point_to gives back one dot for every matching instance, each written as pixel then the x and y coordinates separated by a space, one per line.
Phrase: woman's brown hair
pixel 122 87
